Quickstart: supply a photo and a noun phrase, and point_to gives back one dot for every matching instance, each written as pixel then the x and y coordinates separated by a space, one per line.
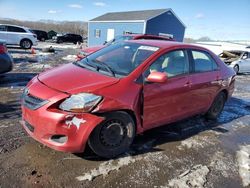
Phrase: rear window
pixel 203 62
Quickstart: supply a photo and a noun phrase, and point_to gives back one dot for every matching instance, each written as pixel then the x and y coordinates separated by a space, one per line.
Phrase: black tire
pixel 217 106
pixel 236 69
pixel 60 41
pixel 26 44
pixel 113 136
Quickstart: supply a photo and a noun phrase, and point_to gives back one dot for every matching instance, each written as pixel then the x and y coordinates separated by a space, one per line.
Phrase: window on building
pixel 97 33
pixel 203 62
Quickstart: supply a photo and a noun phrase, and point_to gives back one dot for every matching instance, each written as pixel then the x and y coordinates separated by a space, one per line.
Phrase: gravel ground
pixel 190 153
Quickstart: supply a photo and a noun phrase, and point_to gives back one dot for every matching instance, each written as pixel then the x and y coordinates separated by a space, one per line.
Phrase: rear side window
pixel 203 62
pixel 2 28
pixel 16 29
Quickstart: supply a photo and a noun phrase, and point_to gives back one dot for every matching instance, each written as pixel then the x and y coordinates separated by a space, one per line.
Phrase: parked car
pixel 6 61
pixel 72 38
pixel 120 38
pixel 122 90
pixel 41 35
pixel 17 35
pixel 237 59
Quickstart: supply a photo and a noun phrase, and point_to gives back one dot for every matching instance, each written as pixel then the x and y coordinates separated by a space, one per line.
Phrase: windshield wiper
pixel 105 65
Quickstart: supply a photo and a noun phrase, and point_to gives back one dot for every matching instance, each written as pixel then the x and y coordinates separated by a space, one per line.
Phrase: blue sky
pixel 217 19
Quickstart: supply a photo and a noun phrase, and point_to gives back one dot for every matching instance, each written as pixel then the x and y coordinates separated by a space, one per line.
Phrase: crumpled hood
pixel 72 79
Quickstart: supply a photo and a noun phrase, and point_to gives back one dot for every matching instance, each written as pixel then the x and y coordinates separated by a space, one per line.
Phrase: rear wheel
pixel 26 44
pixel 113 136
pixel 60 41
pixel 236 69
pixel 217 106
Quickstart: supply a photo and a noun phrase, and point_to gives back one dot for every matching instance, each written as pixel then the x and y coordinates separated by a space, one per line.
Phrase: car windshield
pixel 119 38
pixel 118 60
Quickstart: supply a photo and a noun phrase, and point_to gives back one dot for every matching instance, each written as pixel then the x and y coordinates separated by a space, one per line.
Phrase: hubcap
pixel 26 44
pixel 113 133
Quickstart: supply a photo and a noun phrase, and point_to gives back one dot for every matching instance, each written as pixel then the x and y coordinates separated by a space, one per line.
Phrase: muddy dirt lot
pixel 190 153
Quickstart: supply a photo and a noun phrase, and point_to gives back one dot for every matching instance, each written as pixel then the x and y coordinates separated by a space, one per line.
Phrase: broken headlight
pixel 82 102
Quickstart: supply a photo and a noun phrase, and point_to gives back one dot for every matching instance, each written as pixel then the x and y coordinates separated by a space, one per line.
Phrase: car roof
pixel 15 26
pixel 166 44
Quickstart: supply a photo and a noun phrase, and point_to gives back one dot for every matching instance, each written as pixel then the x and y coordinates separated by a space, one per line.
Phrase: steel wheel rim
pixel 113 133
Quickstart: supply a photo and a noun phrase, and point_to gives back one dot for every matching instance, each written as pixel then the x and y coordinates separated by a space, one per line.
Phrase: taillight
pixel 3 49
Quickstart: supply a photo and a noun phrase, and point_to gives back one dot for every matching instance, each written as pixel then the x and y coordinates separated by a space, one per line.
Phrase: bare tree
pixel 76 27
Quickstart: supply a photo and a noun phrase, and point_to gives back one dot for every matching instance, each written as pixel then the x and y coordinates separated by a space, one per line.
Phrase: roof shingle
pixel 130 15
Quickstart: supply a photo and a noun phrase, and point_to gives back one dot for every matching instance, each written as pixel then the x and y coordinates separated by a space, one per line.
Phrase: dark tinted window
pixel 173 63
pixel 203 62
pixel 2 28
pixel 16 29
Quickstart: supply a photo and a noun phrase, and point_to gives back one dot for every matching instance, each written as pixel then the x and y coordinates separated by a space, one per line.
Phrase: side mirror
pixel 157 77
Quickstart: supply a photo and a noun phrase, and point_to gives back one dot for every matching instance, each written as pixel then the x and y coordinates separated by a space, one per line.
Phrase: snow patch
pixel 70 58
pixel 40 66
pixel 106 167
pixel 196 142
pixel 196 177
pixel 243 158
pixel 75 121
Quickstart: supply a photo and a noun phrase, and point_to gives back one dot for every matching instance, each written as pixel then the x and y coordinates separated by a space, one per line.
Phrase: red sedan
pixel 107 98
pixel 119 38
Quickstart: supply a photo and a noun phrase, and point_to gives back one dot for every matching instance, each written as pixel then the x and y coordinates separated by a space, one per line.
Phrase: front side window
pixel 118 59
pixel 203 62
pixel 16 29
pixel 97 33
pixel 173 63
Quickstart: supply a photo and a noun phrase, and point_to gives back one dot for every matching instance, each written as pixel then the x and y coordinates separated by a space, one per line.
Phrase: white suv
pixel 16 35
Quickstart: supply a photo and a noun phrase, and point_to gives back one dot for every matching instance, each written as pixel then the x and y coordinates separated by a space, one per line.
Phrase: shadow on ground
pixel 15 79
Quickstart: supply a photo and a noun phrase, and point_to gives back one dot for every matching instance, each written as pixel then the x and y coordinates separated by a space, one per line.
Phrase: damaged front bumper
pixel 57 129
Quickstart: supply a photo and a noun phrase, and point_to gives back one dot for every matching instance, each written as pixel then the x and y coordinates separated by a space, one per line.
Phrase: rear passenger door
pixel 205 79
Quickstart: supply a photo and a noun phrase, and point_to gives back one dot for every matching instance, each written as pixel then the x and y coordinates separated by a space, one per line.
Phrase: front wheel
pixel 113 136
pixel 26 44
pixel 217 106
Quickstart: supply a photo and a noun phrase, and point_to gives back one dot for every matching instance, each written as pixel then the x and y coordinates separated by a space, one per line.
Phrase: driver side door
pixel 168 102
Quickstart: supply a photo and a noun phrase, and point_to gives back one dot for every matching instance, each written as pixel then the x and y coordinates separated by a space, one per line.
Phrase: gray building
pixel 109 25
